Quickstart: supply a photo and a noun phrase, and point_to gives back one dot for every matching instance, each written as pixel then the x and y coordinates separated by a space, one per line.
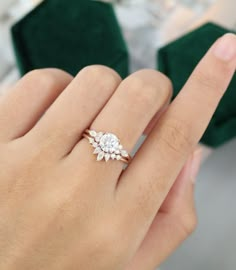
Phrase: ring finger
pixel 128 112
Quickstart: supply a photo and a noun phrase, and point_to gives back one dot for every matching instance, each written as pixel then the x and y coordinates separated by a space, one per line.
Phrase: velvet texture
pixel 178 59
pixel 70 35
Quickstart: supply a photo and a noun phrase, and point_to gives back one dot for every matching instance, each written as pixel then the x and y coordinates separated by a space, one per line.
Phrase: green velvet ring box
pixel 70 35
pixel 178 59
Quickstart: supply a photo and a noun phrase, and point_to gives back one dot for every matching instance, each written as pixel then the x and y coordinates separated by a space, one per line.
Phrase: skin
pixel 60 208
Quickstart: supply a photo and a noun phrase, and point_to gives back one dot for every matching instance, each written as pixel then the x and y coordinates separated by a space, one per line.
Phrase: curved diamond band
pixel 107 146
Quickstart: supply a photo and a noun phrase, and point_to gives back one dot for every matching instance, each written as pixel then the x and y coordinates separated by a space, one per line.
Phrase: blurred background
pixel 148 25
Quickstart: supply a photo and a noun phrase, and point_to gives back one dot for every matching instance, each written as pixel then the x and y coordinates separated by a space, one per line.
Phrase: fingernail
pixel 196 163
pixel 225 48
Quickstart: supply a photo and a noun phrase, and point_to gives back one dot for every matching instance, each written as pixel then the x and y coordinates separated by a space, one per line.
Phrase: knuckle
pixel 98 74
pixel 176 136
pixel 142 93
pixel 148 86
pixel 165 84
pixel 45 78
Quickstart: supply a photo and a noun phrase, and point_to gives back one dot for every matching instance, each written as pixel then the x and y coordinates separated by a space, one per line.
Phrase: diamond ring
pixel 107 146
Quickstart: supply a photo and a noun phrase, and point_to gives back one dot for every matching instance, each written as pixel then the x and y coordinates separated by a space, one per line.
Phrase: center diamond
pixel 109 143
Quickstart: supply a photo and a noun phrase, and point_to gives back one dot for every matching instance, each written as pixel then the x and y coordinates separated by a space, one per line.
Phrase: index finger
pixel 145 184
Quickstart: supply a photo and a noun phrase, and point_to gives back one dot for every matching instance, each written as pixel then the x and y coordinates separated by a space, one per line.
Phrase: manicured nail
pixel 225 48
pixel 196 163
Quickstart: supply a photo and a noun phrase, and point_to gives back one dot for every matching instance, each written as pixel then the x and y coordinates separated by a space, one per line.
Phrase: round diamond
pixel 113 156
pixel 109 142
pixel 118 157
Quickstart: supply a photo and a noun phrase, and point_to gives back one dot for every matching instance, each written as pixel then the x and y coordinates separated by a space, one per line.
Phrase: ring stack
pixel 106 146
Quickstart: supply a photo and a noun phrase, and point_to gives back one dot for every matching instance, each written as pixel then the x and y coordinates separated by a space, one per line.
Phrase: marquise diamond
pixel 107 157
pixel 98 136
pixel 97 150
pixel 124 153
pixel 91 140
pixel 100 156
pixel 92 133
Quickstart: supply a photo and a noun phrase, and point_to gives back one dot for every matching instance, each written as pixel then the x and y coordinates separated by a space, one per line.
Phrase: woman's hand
pixel 60 208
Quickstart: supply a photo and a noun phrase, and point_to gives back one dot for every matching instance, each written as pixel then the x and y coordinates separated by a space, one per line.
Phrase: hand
pixel 60 208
